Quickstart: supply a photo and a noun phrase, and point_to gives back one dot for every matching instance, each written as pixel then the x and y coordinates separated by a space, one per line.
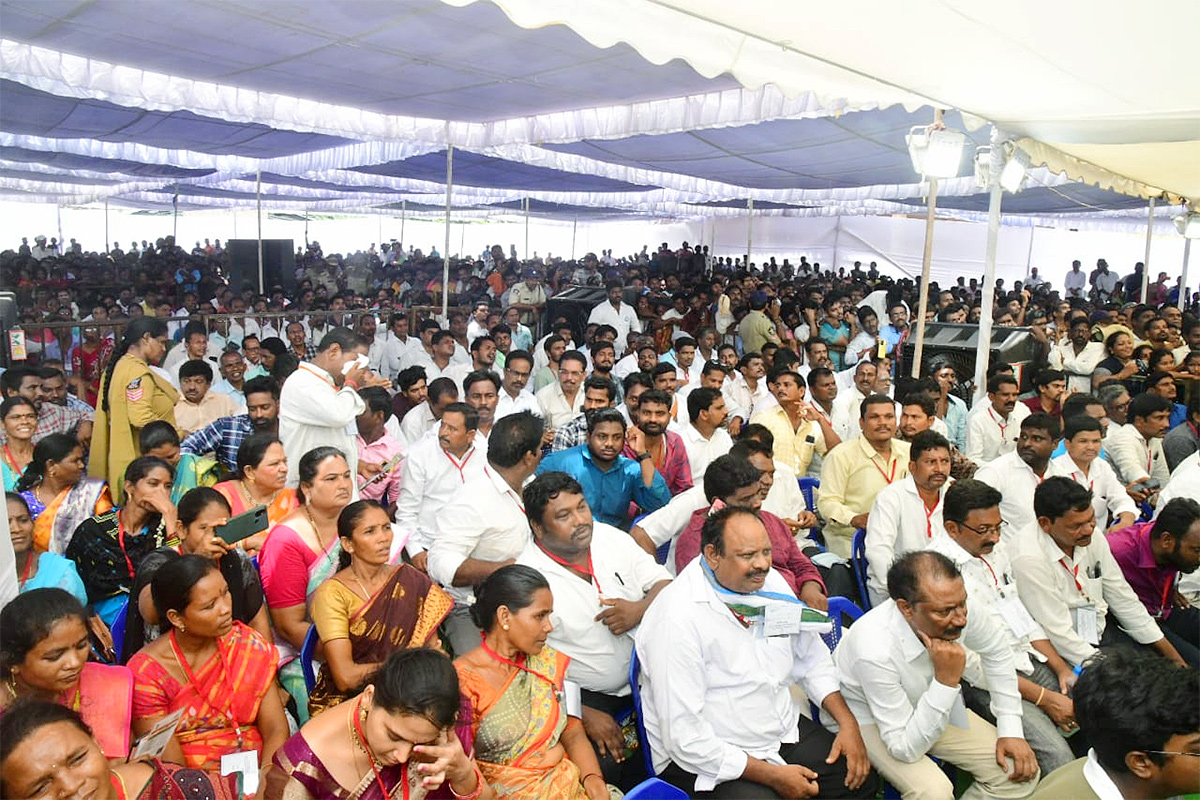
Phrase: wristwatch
pixel 643 456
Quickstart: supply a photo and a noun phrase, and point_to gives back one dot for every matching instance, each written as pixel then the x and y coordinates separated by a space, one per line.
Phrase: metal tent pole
pixel 1146 260
pixel 446 254
pixel 526 229
pixel 983 349
pixel 403 214
pixel 258 200
pixel 926 263
pixel 749 229
pixel 574 229
pixel 107 244
pixel 1183 277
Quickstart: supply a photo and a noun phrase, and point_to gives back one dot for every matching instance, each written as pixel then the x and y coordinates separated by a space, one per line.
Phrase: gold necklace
pixel 250 501
pixel 316 531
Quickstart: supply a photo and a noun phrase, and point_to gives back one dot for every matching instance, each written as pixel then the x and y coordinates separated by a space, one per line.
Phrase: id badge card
pixel 1016 617
pixel 245 763
pixel 781 619
pixel 573 699
pixel 1086 623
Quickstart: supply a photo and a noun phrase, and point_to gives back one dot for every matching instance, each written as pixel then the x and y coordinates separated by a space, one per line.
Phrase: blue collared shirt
pixel 223 437
pixel 609 493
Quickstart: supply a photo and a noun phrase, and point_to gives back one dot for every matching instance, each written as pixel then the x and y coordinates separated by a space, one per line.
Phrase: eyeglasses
pixel 986 530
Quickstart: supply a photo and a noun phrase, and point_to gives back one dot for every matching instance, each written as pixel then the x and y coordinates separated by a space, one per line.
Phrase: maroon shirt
pixel 786 557
pixel 1153 585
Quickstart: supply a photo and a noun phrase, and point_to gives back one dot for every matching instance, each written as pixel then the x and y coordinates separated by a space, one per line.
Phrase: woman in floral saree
pixel 59 492
pixel 526 745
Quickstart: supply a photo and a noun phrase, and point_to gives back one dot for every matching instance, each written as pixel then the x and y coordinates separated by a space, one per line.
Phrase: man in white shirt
pixel 1075 281
pixel 748 389
pixel 194 347
pixel 420 420
pixel 1081 463
pixel 908 512
pixel 1135 448
pixel 720 649
pixel 483 359
pixel 319 402
pixel 845 407
pixel 602 584
pixel 615 312
pixel 704 436
pixel 1017 474
pixel 478 324
pixel 444 348
pixel 433 471
pixel 971 539
pixel 514 396
pixel 992 428
pixel 1078 356
pixel 483 527
pixel 1070 582
pixel 900 668
pixel 562 400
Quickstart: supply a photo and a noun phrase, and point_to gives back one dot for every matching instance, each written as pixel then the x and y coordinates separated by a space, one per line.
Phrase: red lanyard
pixel 496 656
pixel 187 670
pixel 33 557
pixel 1079 479
pixel 929 512
pixel 1167 594
pixel 886 476
pixel 1074 575
pixel 461 466
pixel 989 567
pixel 12 460
pixel 1002 425
pixel 383 792
pixel 121 542
pixel 589 572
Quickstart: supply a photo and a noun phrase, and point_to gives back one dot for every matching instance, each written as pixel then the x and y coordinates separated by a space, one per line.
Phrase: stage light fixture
pixel 935 152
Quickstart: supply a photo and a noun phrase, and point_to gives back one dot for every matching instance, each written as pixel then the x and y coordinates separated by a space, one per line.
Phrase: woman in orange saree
pixel 525 744
pixel 370 609
pixel 261 473
pixel 59 492
pixel 219 671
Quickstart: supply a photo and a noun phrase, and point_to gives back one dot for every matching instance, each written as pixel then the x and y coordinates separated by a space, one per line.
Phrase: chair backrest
pixel 858 563
pixel 839 607
pixel 807 487
pixel 635 674
pixel 655 789
pixel 664 550
pixel 306 657
pixel 118 631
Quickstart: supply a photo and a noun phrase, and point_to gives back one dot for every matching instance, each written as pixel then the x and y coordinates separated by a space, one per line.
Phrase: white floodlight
pixel 1188 224
pixel 935 152
pixel 983 166
pixel 1015 167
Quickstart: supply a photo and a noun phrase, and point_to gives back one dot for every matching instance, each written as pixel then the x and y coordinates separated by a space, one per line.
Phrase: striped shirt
pixel 223 437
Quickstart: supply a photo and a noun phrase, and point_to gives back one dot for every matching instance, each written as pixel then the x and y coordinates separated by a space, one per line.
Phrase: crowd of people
pixel 320 542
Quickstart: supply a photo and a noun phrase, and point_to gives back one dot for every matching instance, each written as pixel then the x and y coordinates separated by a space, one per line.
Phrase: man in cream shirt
pixel 992 427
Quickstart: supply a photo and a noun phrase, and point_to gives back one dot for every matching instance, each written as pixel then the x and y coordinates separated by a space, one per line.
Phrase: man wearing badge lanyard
pixel 971 538
pixel 720 648
pixel 1071 584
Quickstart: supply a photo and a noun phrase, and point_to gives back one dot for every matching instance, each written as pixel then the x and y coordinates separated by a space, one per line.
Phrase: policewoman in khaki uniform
pixel 132 395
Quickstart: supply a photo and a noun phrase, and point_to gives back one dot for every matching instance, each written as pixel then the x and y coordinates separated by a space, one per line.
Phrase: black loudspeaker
pixel 956 344
pixel 576 304
pixel 279 264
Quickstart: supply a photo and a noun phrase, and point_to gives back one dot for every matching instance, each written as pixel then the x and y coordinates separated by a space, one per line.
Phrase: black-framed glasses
pixel 986 530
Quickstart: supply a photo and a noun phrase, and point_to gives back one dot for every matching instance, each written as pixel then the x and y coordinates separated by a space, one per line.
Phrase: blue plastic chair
pixel 1147 512
pixel 635 672
pixel 858 563
pixel 663 552
pixel 807 487
pixel 118 632
pixel 840 607
pixel 655 789
pixel 306 657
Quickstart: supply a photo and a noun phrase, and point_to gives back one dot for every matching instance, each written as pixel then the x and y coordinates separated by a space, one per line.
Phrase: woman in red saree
pixel 48 751
pixel 395 740
pixel 526 745
pixel 88 362
pixel 370 609
pixel 221 672
pixel 44 647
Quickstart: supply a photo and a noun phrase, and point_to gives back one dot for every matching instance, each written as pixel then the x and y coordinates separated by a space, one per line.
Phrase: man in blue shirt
pixel 610 480
pixel 224 436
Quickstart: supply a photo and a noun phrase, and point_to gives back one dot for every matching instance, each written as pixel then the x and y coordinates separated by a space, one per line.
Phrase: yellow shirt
pixel 793 446
pixel 853 473
pixel 757 329
pixel 191 417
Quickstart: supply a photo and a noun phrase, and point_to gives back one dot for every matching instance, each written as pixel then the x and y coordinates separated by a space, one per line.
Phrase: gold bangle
pixel 1040 696
pixel 591 775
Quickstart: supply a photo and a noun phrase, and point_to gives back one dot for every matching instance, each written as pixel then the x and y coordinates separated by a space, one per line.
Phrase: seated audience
pixel 901 668
pixel 38 570
pixel 597 393
pixel 561 398
pixel 349 750
pixel 198 406
pixel 611 481
pixel 526 744
pixel 46 750
pixel 483 526
pixel 908 513
pixel 1071 584
pixel 58 492
pixel 376 445
pixel 259 480
pixel 44 648
pixel 971 538
pixel 1135 448
pixel 593 620
pixel 223 437
pixel 716 688
pixel 992 427
pixel 799 431
pixel 1018 473
pixel 218 669
pixel 1082 463
pixel 300 553
pixel 666 448
pixel 108 548
pixel 369 608
pixel 1152 556
pixel 732 480
pixel 1141 716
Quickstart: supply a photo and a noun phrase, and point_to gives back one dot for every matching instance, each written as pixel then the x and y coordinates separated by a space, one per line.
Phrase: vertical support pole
pixel 446 252
pixel 1146 260
pixel 258 200
pixel 926 261
pixel 837 237
pixel 574 229
pixel 403 214
pixel 983 349
pixel 175 215
pixel 527 256
pixel 749 229
pixel 1183 276
pixel 107 243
